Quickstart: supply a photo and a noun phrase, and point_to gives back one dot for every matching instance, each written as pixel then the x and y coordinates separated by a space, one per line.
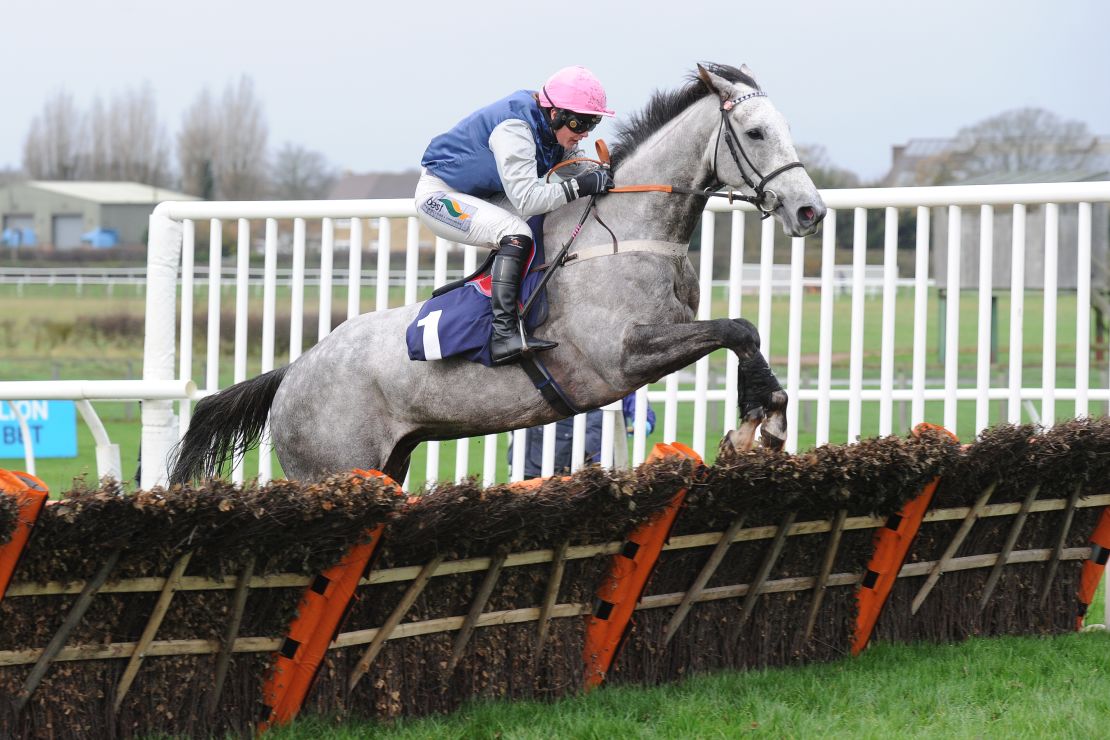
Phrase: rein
pixel 766 200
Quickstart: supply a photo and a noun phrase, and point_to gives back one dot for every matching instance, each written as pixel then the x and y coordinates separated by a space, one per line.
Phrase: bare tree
pixel 221 147
pixel 242 164
pixel 821 169
pixel 1020 140
pixel 139 142
pixel 126 140
pixel 97 160
pixel 198 147
pixel 53 146
pixel 299 173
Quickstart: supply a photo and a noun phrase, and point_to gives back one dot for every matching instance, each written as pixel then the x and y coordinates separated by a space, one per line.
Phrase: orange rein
pixel 603 161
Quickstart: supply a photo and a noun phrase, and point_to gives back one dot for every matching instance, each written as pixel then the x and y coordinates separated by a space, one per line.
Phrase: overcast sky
pixel 368 83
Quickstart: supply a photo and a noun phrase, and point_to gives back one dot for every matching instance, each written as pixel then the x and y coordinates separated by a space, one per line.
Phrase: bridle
pixel 766 200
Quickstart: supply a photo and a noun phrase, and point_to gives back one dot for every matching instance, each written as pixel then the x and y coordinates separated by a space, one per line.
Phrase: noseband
pixel 766 200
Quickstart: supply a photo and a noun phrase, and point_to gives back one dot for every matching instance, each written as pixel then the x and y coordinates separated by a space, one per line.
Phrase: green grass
pixel 1025 687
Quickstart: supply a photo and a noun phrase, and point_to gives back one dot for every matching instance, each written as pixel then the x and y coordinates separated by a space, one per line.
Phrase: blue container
pixel 101 238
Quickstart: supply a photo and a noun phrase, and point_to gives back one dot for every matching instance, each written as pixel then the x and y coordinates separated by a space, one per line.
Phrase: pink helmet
pixel 576 89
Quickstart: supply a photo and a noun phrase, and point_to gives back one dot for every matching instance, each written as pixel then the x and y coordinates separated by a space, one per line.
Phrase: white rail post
pixel 354 268
pixel 1017 313
pixel 578 443
pixel 1048 367
pixel 215 260
pixel 188 250
pixel 855 359
pixel 984 339
pixel 952 321
pixel 108 463
pixel 159 432
pixel 705 309
pixel 890 297
pixel 242 303
pixel 824 341
pixel 269 315
pixel 920 316
pixel 327 262
pixel 1083 313
pixel 794 340
pixel 735 291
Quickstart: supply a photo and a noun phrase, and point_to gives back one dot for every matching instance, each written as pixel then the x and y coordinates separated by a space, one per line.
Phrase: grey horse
pixel 622 311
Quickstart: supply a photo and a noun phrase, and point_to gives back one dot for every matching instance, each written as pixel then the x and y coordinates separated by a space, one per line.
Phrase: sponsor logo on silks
pixel 454 208
pixel 447 210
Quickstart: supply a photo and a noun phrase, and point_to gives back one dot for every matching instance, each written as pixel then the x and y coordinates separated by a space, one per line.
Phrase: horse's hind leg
pixel 652 351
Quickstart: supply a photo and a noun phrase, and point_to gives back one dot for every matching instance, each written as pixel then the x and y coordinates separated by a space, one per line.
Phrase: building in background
pixel 375 185
pixel 57 214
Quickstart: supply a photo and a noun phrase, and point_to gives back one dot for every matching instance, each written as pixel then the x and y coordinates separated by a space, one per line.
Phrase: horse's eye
pixel 755 133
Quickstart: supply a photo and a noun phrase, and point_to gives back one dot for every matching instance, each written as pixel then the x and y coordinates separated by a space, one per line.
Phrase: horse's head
pixel 753 152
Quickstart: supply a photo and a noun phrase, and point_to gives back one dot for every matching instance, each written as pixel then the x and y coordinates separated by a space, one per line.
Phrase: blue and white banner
pixel 52 426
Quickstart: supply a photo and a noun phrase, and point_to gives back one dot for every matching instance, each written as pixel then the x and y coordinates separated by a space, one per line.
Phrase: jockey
pixel 485 176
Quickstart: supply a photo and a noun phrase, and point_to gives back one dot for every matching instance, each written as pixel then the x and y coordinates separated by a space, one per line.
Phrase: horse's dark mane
pixel 664 106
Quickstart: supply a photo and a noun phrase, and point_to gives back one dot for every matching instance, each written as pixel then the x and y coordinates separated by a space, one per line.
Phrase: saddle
pixel 457 321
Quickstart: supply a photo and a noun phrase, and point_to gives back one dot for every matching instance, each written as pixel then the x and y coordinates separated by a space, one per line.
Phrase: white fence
pixel 169 351
pixel 855 362
pixel 135 277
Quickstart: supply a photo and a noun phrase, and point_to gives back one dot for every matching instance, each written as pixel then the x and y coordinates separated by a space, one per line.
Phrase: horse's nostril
pixel 806 214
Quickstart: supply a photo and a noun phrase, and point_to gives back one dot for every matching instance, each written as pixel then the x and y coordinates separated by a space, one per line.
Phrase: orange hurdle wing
pixel 31 494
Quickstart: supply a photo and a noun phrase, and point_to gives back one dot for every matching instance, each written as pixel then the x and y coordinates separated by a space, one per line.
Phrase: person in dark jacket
pixel 564 439
pixel 486 175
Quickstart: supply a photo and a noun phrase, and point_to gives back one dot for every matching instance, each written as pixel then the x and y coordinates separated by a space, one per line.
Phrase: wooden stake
pixel 76 612
pixel 1065 528
pixel 826 568
pixel 476 609
pixel 161 606
pixel 1008 546
pixel 761 577
pixel 702 578
pixel 558 567
pixel 953 546
pixel 223 660
pixel 411 594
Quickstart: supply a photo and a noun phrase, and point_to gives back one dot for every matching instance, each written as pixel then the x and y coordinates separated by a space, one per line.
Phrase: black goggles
pixel 581 123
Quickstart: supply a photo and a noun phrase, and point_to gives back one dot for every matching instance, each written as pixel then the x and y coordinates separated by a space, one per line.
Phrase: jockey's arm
pixel 514 150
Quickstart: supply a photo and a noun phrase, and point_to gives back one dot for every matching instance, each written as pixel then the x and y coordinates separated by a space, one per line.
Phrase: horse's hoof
pixel 742 439
pixel 773 430
pixel 772 440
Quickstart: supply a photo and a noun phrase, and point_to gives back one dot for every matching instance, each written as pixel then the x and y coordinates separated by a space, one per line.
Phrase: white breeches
pixel 463 218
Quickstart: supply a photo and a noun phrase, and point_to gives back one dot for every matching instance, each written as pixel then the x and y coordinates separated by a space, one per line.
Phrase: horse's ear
pixel 715 83
pixel 747 70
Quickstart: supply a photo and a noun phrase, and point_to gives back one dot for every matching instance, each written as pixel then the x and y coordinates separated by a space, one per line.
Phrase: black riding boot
pixel 508 342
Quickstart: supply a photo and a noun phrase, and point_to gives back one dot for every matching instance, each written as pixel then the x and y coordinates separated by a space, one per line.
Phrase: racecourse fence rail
pixel 172 248
pixel 1067 219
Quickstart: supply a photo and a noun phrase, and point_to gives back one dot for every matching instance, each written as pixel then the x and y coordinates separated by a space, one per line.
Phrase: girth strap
pixel 547 386
pixel 668 249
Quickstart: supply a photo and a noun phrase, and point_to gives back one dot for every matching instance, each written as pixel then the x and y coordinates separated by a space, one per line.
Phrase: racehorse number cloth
pixel 459 323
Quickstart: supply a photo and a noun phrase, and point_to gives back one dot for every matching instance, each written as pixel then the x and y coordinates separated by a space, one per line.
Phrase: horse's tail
pixel 224 426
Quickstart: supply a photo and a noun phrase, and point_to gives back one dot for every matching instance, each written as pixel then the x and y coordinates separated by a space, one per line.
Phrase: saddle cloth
pixel 459 322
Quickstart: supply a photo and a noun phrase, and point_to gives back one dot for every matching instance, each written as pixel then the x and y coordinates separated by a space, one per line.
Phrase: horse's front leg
pixel 652 351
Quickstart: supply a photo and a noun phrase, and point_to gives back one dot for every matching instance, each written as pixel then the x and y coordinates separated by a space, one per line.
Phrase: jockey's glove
pixel 590 183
